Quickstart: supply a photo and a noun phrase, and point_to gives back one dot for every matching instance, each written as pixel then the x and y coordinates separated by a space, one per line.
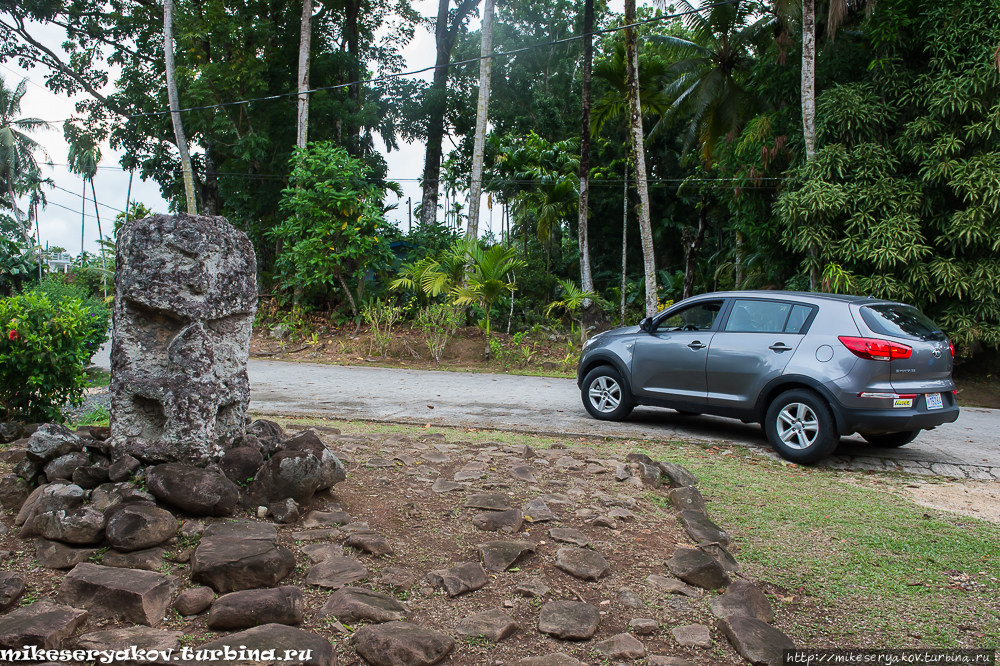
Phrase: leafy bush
pixel 438 323
pixel 381 316
pixel 76 286
pixel 43 353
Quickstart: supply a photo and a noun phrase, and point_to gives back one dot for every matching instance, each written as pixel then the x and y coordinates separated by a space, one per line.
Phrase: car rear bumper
pixel 894 420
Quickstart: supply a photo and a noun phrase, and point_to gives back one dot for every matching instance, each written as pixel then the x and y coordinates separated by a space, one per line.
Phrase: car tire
pixel 610 399
pixel 892 440
pixel 800 426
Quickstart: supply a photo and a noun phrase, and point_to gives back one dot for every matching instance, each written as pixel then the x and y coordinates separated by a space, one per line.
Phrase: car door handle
pixel 696 345
pixel 779 347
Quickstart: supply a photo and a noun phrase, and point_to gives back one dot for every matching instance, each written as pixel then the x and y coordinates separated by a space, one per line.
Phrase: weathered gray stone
pixel 495 521
pixel 146 639
pixel 82 525
pixel 240 465
pixel 252 608
pixel 11 588
pixel 650 475
pixel 64 466
pixel 443 486
pixel 90 476
pixel 141 597
pixel 10 431
pixel 627 597
pixel 532 587
pixel 331 469
pixel 643 626
pixel 569 535
pixel 536 511
pixel 55 555
pixel 242 529
pixel 523 473
pixel 697 568
pixel 137 527
pixel 318 552
pixel 402 644
pixel 194 600
pixel 228 564
pixel 43 624
pixel 13 492
pixel 294 474
pixel 150 559
pixel 325 519
pixel 51 497
pixel 459 579
pixel 554 659
pixel 582 563
pixel 498 555
pixel 374 544
pixel 569 620
pixel 702 530
pixel 493 625
pixel 621 646
pixel 123 469
pixel 755 640
pixel 192 489
pixel 50 441
pixel 352 604
pixel 336 572
pixel 185 299
pixel 693 635
pixel 398 578
pixel 268 434
pixel 743 598
pixel 672 585
pixel 304 648
pixel 688 498
pixel 676 475
pixel 490 501
pixel 722 556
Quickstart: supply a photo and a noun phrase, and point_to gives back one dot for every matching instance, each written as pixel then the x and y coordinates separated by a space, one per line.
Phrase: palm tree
pixel 84 156
pixel 482 112
pixel 614 103
pixel 487 281
pixel 573 299
pixel 17 149
pixel 586 276
pixel 305 41
pixel 175 115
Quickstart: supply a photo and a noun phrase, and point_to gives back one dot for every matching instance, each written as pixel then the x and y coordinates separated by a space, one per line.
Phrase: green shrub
pixel 43 354
pixel 61 286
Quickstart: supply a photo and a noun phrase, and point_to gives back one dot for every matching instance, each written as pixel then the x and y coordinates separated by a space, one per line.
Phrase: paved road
pixel 970 447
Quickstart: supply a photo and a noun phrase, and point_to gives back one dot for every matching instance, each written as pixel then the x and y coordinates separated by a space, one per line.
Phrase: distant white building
pixel 59 262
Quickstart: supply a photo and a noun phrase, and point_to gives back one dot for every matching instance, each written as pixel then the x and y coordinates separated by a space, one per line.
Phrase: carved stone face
pixel 185 299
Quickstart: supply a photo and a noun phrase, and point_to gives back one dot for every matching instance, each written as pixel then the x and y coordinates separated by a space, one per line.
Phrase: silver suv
pixel 809 367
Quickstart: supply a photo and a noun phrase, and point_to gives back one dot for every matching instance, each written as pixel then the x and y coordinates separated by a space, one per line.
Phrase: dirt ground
pixel 976 499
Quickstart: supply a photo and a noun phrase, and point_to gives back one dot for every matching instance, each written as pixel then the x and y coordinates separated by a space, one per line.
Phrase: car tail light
pixel 951 348
pixel 876 350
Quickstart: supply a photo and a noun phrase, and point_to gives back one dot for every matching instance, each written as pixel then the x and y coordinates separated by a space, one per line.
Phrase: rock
pixel 64 466
pixel 442 486
pixel 621 514
pixel 137 527
pixel 676 476
pixel 498 555
pixel 318 552
pixel 554 659
pixel 184 304
pixel 228 564
pixel 11 589
pixel 536 511
pixel 698 569
pixel 268 433
pixel 305 647
pixel 242 529
pixel 150 559
pixel 569 535
pixel 402 644
pixel 493 521
pixel 54 555
pixel 459 579
pixel 28 469
pixel 722 556
pixel 13 492
pixel 627 597
pixel 594 468
pixel 659 660
pixel 317 535
pixel 672 585
pixel 252 608
pixel 90 476
pixel 294 474
pixel 285 511
pixel 353 604
pixel 240 465
pixel 194 600
pixel 493 625
pixel 192 489
pixel 325 519
pixel 650 475
pixel 123 469
pixel 523 473
pixel 582 563
pixel 397 578
pixel 10 431
pixel 743 598
pixel 51 441
pixel 43 624
pixel 82 525
pixel 621 646
pixel 51 497
pixel 331 469
pixel 569 620
pixel 532 587
pixel 694 635
pixel 491 501
pixel 336 572
pixel 140 597
pixel 123 639
pixel 755 640
pixel 622 473
pixel 639 458
pixel 373 544
pixel 436 458
pixel 688 498
pixel 643 626
pixel 702 530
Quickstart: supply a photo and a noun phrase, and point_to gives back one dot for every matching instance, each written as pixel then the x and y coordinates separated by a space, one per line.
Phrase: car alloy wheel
pixel 797 426
pixel 605 394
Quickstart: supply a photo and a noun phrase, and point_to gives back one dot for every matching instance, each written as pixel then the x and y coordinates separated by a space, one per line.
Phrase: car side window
pixel 798 318
pixel 758 317
pixel 699 317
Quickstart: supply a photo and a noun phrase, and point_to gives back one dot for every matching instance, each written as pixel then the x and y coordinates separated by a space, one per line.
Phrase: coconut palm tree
pixel 83 158
pixel 17 149
pixel 488 280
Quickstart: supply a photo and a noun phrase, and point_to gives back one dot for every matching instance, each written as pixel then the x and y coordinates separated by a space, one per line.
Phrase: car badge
pixel 937 353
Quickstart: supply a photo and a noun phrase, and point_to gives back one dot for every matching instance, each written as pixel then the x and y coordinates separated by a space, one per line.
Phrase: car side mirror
pixel 646 323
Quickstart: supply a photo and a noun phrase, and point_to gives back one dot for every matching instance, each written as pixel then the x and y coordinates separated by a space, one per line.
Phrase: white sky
pixel 60 221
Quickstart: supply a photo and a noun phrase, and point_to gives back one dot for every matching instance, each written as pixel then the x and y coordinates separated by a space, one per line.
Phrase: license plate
pixel 934 401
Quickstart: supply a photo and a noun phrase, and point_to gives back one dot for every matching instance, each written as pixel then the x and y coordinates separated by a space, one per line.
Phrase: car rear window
pixel 901 321
pixel 798 318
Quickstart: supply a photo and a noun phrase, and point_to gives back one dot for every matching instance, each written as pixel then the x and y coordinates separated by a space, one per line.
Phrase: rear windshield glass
pixel 901 321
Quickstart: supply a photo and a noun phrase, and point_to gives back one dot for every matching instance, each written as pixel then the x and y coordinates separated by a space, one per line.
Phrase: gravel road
pixel 968 448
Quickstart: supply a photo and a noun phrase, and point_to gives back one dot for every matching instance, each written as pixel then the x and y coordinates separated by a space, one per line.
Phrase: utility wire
pixel 77 194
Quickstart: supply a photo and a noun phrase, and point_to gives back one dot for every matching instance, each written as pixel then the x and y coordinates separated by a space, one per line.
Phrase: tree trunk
pixel 809 110
pixel 83 217
pixel 305 39
pixel 624 242
pixel 692 241
pixel 586 277
pixel 175 116
pixel 482 113
pixel 639 158
pixel 351 10
pixel 17 213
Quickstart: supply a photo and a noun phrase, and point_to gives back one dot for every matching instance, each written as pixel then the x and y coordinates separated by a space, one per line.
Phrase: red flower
pixel 13 335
